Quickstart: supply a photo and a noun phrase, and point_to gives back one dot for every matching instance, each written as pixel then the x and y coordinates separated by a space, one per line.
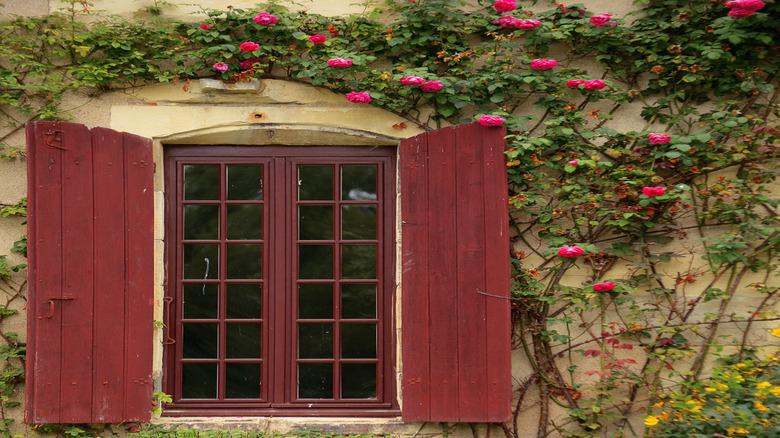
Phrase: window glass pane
pixel 315 301
pixel 358 301
pixel 200 300
pixel 358 222
pixel 315 222
pixel 358 261
pixel 315 341
pixel 243 301
pixel 200 341
pixel 244 261
pixel 199 380
pixel 315 261
pixel 201 260
pixel 358 380
pixel 358 182
pixel 315 380
pixel 201 181
pixel 243 340
pixel 358 340
pixel 315 182
pixel 245 221
pixel 242 380
pixel 201 222
pixel 244 182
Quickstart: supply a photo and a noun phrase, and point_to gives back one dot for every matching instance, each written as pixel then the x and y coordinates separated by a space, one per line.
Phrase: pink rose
pixel 266 19
pixel 220 67
pixel 575 83
pixel 543 64
pixel 504 5
pixel 340 62
pixel 507 21
pixel 570 252
pixel 750 5
pixel 204 26
pixel 247 63
pixel 318 39
pixel 249 46
pixel 594 84
pixel 431 86
pixel 491 120
pixel 573 163
pixel 528 24
pixel 740 13
pixel 606 286
pixel 358 97
pixel 653 191
pixel 412 80
pixel 601 20
pixel 659 138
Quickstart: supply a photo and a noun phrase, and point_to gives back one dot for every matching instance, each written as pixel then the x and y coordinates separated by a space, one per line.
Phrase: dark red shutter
pixel 455 278
pixel 90 297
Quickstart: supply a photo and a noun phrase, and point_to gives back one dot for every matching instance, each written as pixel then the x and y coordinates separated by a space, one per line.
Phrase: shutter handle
pixel 166 330
pixel 50 313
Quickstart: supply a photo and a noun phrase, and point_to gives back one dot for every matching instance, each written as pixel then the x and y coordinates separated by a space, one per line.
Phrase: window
pixel 280 276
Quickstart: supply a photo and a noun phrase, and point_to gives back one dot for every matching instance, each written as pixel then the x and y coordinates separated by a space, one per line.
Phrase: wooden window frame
pixel 279 319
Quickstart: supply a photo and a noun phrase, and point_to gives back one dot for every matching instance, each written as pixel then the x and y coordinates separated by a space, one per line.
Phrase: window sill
pixel 343 424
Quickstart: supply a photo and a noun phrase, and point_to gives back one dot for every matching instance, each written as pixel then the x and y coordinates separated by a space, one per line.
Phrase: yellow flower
pixel 775 391
pixel 721 386
pixel 736 431
pixel 740 365
pixel 763 385
pixel 651 420
pixel 695 406
pixel 760 406
pixel 710 389
pixel 775 332
pixel 659 404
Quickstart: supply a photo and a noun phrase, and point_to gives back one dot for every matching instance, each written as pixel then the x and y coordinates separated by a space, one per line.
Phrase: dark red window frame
pixel 279 312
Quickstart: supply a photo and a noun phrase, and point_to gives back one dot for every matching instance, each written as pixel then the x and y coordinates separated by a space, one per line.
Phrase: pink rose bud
pixel 601 20
pixel 570 252
pixel 504 5
pixel 358 97
pixel 339 62
pixel 543 64
pixel 204 26
pixel 659 138
pixel 318 39
pixel 528 24
pixel 594 84
pixel 573 163
pixel 412 80
pixel 491 120
pixel 606 286
pixel 431 86
pixel 653 191
pixel 575 83
pixel 266 19
pixel 220 67
pixel 249 46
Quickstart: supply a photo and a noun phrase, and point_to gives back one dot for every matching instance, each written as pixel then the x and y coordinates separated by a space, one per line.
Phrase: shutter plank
pixel 77 260
pixel 414 309
pixel 443 267
pixel 139 299
pixel 45 281
pixel 498 274
pixel 109 276
pixel 472 353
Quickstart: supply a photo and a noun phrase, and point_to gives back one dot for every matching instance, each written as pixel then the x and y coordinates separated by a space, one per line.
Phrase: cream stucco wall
pixel 280 112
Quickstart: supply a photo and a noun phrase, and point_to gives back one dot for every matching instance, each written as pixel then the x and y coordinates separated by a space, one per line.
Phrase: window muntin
pixel 282 294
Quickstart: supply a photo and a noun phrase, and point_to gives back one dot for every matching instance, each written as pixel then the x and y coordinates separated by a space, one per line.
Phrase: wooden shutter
pixel 455 279
pixel 90 294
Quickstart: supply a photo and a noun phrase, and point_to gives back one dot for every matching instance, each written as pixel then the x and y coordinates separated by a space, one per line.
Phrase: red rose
pixel 431 86
pixel 575 83
pixel 318 39
pixel 543 64
pixel 653 191
pixel 491 120
pixel 601 20
pixel 339 63
pixel 412 80
pixel 504 5
pixel 606 286
pixel 249 46
pixel 204 26
pixel 570 252
pixel 266 19
pixel 594 84
pixel 358 97
pixel 659 138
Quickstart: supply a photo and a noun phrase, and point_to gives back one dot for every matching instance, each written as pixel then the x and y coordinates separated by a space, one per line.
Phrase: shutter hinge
pixel 53 139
